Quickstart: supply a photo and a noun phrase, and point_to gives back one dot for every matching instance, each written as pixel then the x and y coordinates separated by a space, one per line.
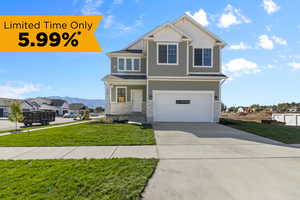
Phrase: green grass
pixel 106 179
pixel 87 134
pixel 285 134
pixel 40 126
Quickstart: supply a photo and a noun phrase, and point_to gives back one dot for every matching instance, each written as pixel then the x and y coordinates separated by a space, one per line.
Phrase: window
pixel 129 64
pixel 121 95
pixel 183 101
pixel 167 54
pixel 121 64
pixel 136 64
pixel 203 57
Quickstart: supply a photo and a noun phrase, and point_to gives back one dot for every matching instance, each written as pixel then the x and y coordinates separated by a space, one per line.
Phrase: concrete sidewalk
pixel 97 152
pixel 46 127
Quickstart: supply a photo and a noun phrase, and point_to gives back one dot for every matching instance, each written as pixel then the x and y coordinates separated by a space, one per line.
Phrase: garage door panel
pixel 183 107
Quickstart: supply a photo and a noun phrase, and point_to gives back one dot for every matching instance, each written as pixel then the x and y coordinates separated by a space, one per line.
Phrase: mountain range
pixel 91 103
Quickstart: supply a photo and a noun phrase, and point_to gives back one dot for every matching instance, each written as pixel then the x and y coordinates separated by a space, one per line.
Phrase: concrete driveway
pixel 211 161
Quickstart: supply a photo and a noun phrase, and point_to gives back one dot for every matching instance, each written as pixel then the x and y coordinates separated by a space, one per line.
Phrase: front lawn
pixel 285 134
pixel 112 179
pixel 87 134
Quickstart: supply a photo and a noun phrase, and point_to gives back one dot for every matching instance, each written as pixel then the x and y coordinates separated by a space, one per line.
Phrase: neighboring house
pixel 240 110
pixel 60 107
pixel 77 108
pixel 5 106
pixel 171 74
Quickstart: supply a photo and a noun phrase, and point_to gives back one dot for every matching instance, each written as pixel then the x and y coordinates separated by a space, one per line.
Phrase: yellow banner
pixel 49 34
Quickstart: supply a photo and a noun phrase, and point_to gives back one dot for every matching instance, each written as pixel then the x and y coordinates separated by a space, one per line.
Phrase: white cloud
pixel 13 91
pixel 127 28
pixel 108 21
pixel 118 2
pixel 279 40
pixel 232 16
pixel 240 67
pixel 91 7
pixel 200 17
pixel 241 46
pixel 265 42
pixel 269 66
pixel 269 27
pixel 294 65
pixel 270 6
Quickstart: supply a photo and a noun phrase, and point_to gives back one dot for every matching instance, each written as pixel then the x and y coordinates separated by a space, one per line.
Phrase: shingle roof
pixel 218 75
pixel 57 102
pixel 77 106
pixel 128 51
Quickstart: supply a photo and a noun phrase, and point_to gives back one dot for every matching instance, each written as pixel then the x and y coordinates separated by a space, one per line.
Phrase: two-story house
pixel 171 74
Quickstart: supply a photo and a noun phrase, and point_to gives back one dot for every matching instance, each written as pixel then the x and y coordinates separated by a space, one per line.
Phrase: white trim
pixel 186 78
pixel 132 64
pixel 211 92
pixel 111 55
pixel 211 59
pixel 167 79
pixel 127 73
pixel 187 57
pixel 120 87
pixel 147 59
pixel 205 73
pixel 170 25
pixel 127 82
pixel 110 99
pixel 157 53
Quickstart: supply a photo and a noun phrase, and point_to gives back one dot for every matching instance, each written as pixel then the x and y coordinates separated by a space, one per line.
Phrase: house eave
pixel 127 82
pixel 124 54
pixel 187 78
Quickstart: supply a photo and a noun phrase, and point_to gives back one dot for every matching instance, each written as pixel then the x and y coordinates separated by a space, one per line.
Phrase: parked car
pixel 70 115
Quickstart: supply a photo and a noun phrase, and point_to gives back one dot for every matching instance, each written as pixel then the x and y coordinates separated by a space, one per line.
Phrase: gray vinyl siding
pixel 129 88
pixel 167 70
pixel 114 67
pixel 184 85
pixel 216 62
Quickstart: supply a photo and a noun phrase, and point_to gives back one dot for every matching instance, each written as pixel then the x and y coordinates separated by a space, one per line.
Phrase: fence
pixel 290 119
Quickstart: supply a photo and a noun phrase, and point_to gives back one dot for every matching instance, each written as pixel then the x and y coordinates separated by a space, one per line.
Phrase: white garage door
pixel 183 106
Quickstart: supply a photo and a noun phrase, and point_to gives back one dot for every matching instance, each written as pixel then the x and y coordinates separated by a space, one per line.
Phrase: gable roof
pixel 191 19
pixel 169 25
pixel 222 42
pixel 57 102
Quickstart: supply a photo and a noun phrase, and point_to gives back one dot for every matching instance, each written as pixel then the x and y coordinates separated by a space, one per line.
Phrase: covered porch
pixel 125 96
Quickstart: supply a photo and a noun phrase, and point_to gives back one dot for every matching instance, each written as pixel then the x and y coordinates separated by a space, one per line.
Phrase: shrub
pixel 86 115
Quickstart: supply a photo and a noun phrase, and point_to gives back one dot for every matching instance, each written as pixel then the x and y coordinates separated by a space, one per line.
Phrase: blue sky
pixel 262 57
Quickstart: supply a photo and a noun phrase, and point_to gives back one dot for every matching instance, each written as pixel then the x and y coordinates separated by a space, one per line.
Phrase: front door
pixel 137 100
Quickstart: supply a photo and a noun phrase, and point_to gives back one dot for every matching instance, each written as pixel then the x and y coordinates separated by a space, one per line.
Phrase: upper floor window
pixel 203 57
pixel 129 64
pixel 167 53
